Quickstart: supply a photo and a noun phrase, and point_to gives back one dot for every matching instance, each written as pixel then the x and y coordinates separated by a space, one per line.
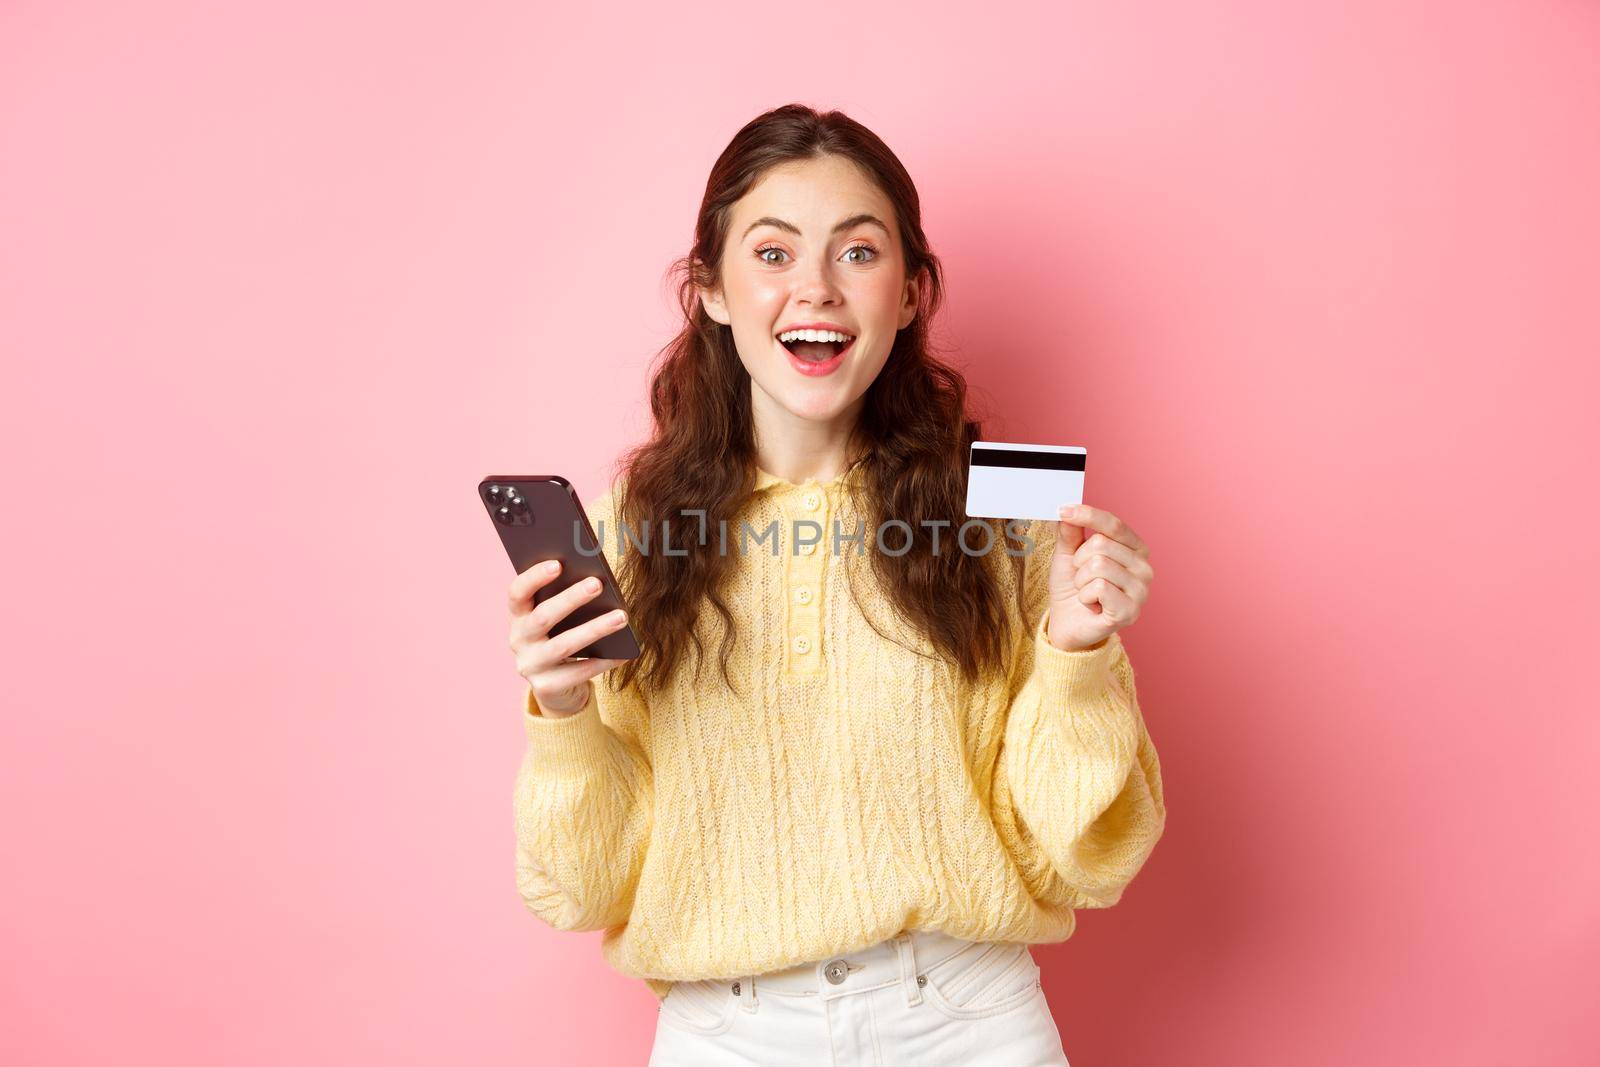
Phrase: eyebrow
pixel 862 218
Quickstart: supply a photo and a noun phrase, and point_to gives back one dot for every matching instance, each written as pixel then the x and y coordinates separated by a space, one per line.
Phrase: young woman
pixel 862 762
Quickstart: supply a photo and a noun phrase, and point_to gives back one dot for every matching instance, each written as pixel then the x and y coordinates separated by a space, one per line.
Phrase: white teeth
pixel 815 335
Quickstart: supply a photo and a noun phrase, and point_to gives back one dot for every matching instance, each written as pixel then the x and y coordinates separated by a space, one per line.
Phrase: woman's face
pixel 813 242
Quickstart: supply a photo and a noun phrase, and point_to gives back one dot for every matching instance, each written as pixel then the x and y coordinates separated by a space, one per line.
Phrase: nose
pixel 815 285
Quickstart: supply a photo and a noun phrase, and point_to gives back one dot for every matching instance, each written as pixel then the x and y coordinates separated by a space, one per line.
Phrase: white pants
pixel 922 998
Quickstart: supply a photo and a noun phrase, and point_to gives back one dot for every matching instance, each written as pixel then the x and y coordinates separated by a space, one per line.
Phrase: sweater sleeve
pixel 1077 785
pixel 584 799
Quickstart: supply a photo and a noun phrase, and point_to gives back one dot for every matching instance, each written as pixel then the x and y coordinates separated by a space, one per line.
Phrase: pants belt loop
pixel 908 969
pixel 748 1002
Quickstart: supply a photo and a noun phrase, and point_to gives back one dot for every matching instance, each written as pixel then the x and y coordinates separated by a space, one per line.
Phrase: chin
pixel 816 409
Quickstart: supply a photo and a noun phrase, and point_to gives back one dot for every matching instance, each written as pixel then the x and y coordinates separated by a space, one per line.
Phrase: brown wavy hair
pixel 911 441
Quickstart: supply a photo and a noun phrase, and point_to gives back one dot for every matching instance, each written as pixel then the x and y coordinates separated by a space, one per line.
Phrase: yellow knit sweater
pixel 856 791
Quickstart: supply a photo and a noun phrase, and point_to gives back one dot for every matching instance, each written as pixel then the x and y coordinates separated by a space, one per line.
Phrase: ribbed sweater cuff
pixel 1080 673
pixel 564 744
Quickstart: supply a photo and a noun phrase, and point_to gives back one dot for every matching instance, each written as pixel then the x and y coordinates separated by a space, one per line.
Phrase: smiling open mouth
pixel 816 346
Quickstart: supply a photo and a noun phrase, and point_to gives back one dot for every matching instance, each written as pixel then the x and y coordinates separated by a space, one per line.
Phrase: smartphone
pixel 539 517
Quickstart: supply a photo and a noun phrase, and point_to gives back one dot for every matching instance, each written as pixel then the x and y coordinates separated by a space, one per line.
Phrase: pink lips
pixel 818 370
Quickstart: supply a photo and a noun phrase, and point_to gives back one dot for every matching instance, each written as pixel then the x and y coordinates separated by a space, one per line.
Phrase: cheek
pixel 756 293
pixel 871 364
pixel 879 291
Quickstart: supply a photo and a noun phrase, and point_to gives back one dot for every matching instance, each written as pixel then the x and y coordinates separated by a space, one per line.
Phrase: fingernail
pixel 617 617
pixel 592 584
pixel 552 566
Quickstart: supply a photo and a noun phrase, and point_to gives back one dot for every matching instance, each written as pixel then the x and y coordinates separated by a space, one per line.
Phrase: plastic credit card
pixel 1006 480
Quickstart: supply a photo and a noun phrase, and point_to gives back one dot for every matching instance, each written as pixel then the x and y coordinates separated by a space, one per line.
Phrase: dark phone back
pixel 539 517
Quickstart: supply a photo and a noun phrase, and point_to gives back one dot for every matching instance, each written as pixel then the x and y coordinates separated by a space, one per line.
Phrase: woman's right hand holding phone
pixel 560 684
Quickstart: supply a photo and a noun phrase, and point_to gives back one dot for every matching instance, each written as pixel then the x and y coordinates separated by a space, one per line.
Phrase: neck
pixel 797 448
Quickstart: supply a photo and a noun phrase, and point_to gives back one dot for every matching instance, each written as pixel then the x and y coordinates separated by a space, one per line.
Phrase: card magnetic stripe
pixel 1012 457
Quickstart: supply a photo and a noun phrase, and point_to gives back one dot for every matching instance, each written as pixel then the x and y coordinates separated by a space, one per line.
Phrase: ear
pixel 711 300
pixel 908 300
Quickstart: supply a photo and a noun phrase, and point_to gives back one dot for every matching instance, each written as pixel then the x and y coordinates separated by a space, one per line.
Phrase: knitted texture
pixel 853 790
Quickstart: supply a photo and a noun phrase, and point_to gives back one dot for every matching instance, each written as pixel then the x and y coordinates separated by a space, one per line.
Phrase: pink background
pixel 1314 283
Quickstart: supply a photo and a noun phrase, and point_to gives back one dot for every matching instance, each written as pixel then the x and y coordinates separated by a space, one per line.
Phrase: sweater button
pixel 811 500
pixel 835 971
pixel 808 548
pixel 802 595
pixel 802 644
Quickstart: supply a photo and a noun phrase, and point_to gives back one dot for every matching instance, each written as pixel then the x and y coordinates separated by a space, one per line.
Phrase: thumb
pixel 1069 535
pixel 1063 566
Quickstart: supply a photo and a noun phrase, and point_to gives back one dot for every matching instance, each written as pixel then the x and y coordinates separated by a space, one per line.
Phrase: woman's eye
pixel 762 254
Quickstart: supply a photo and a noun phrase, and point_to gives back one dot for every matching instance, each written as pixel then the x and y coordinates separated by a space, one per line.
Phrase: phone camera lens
pixel 518 503
pixel 504 516
pixel 496 494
